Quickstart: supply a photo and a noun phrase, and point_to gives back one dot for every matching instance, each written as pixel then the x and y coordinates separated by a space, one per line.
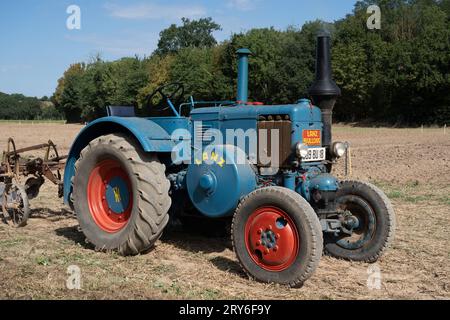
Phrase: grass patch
pixel 210 294
pixel 43 261
pixel 412 192
pixel 445 200
pixel 416 199
pixel 404 193
pixel 164 269
pixel 76 258
pixel 394 194
pixel 173 288
pixel 11 242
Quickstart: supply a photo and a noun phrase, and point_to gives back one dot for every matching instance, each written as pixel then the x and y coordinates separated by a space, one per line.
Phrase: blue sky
pixel 36 46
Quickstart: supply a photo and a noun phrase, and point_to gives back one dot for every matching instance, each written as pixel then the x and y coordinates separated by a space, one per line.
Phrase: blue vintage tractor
pixel 126 177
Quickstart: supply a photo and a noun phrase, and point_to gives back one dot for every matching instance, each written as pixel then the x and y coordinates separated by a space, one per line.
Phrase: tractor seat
pixel 121 111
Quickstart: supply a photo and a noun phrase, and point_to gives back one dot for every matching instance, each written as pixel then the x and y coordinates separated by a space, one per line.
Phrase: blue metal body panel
pixel 301 112
pixel 216 185
pixel 209 185
pixel 117 195
pixel 304 116
pixel 153 134
pixel 323 182
pixel 316 178
pixel 289 180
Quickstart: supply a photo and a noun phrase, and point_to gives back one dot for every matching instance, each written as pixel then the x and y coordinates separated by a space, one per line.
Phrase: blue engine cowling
pixel 218 179
pixel 316 180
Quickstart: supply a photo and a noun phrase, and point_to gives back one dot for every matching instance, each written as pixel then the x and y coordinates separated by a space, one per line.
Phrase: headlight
pixel 339 149
pixel 301 150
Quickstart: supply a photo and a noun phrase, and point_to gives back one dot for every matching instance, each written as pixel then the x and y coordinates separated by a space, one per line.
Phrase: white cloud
pixel 154 11
pixel 242 5
pixel 142 44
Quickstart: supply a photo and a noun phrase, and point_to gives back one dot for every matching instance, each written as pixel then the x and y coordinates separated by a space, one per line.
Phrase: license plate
pixel 315 154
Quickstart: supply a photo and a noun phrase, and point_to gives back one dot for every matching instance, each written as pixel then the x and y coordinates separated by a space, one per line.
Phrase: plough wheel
pixel 15 205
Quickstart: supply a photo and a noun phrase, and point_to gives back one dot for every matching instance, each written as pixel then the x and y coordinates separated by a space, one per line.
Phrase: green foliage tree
pixel 127 77
pixel 68 94
pixel 192 33
pixel 86 89
pixel 19 107
pixel 157 69
pixel 199 71
pixel 399 74
pixel 96 89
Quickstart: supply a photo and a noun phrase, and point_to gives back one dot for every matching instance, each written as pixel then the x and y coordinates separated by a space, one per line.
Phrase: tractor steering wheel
pixel 173 92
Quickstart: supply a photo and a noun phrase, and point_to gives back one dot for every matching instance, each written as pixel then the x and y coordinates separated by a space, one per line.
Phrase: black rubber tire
pixel 384 225
pixel 307 224
pixel 151 200
pixel 25 208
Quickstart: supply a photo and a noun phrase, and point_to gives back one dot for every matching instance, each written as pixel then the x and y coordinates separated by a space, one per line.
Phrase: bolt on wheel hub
pixel 109 196
pixel 272 239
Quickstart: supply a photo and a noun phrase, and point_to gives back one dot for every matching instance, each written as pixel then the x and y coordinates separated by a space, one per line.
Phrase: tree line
pixel 20 107
pixel 399 74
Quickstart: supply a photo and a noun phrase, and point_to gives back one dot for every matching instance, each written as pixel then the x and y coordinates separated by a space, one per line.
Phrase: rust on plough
pixel 21 178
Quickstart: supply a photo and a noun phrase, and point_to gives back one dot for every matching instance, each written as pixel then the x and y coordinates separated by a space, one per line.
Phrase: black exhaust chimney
pixel 324 92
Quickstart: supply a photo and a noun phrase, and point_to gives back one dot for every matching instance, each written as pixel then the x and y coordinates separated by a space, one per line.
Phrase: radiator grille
pixel 284 127
pixel 201 134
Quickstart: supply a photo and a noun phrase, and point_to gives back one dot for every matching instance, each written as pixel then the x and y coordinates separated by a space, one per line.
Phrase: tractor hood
pixel 303 111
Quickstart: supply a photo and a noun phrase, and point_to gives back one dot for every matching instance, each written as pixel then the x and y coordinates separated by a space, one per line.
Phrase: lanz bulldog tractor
pixel 126 177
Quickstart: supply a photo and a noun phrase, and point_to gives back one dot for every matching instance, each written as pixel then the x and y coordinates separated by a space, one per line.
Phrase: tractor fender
pixel 151 137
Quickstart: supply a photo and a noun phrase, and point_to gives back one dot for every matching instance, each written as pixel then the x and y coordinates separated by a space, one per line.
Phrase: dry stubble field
pixel 412 167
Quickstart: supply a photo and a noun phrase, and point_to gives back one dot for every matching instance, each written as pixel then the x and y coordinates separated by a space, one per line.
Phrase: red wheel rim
pixel 272 239
pixel 109 196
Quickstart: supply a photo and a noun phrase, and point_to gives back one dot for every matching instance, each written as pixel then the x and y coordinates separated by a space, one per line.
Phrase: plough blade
pixel 15 196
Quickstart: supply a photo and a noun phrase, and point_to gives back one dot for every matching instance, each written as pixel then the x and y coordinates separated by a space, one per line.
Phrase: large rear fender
pixel 149 135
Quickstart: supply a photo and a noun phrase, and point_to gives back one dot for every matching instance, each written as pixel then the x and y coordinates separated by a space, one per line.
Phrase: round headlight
pixel 339 149
pixel 301 150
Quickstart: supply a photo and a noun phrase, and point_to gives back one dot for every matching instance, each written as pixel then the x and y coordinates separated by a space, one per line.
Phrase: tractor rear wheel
pixel 375 223
pixel 121 195
pixel 277 236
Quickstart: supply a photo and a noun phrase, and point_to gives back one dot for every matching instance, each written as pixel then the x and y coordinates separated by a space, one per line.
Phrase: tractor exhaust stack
pixel 324 92
pixel 242 82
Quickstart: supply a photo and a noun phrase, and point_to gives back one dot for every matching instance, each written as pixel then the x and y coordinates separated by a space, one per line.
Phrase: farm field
pixel 411 166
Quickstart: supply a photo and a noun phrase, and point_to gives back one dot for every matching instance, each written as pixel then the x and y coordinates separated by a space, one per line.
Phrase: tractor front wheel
pixel 373 220
pixel 277 236
pixel 120 195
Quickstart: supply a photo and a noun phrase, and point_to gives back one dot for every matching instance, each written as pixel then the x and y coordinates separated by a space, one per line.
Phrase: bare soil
pixel 412 167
